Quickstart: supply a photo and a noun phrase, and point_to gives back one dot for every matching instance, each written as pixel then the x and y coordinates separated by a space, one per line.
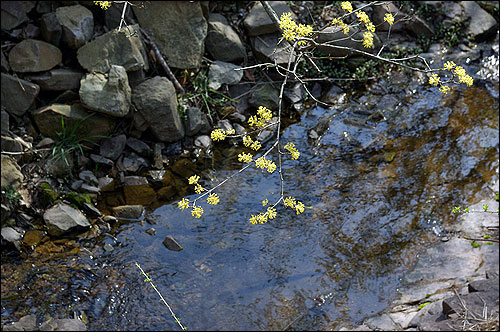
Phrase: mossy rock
pixel 47 194
pixel 78 198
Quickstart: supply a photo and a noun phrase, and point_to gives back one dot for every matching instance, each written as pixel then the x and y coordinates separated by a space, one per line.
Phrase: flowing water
pixel 375 196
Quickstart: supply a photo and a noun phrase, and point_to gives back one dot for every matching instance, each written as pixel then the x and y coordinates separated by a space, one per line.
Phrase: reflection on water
pixel 375 196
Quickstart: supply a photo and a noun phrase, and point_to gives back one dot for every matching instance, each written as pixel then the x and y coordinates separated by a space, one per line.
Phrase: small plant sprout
pixel 162 299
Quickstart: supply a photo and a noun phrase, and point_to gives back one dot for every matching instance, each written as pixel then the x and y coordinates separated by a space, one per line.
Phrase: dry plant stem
pixel 161 297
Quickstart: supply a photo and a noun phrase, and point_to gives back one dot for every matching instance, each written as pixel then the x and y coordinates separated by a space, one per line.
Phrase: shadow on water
pixel 375 196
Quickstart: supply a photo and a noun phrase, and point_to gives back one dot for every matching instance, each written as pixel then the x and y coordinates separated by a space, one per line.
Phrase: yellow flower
pixel 256 145
pixel 193 179
pixel 466 79
pixel 299 207
pixel 362 16
pixel 218 135
pixel 271 166
pixel 295 155
pixel 260 162
pixel 264 113
pixel 197 211
pixel 271 212
pixel 370 27
pixel 289 201
pixel 449 65
pixel 183 204
pixel 434 80
pixel 346 6
pixel 389 18
pixel 293 151
pixel 265 202
pixel 247 141
pixel 253 220
pixel 213 199
pixel 367 39
pixel 345 29
pixel 459 71
pixel 262 218
pixel 198 189
pixel 245 157
pixel 104 4
pixel 444 89
pixel 291 30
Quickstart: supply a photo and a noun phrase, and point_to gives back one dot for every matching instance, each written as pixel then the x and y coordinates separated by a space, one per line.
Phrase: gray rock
pixel 60 167
pixel 172 243
pixel 266 49
pixel 240 130
pixel 91 210
pixel 223 73
pixel 77 25
pixel 108 247
pixel 11 172
pixel 196 121
pixel 109 219
pixel 382 322
pixel 108 94
pixel 90 189
pixel 295 94
pixel 112 16
pixel 140 147
pixel 122 48
pixel 128 211
pixel 12 145
pixel 58 79
pixel 26 323
pixel 157 156
pixel 104 182
pixel 379 14
pixel 5 122
pixel 225 125
pixel 335 37
pixel 334 95
pixel 258 22
pixel 179 29
pixel 475 224
pixel 222 42
pixel 51 28
pixel 132 163
pixel 266 95
pixel 65 324
pixel 134 180
pixel 151 231
pixel 157 101
pixel 417 26
pixel 113 147
pixel 14 13
pixel 92 126
pixel 88 177
pixel 403 319
pixel 17 94
pixel 482 25
pixel 421 292
pixel 62 218
pixel 101 160
pixel 76 185
pixel 32 55
pixel 4 63
pixel 11 235
pixel 432 309
pixel 203 142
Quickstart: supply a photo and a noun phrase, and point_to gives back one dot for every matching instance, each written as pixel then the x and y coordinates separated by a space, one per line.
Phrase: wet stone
pixel 91 211
pixel 88 177
pixel 140 147
pixel 33 237
pixel 112 148
pixel 128 211
pixel 151 231
pixel 172 243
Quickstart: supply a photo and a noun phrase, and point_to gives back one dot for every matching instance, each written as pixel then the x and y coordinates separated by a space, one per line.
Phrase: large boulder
pixel 32 55
pixel 222 42
pixel 258 21
pixel 11 172
pixel 482 25
pixel 157 102
pixel 63 218
pixel 122 48
pixel 77 25
pixel 14 13
pixel 90 125
pixel 17 95
pixel 179 29
pixel 51 29
pixel 109 94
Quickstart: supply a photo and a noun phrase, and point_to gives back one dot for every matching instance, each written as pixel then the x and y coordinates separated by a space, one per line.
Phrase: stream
pixel 376 194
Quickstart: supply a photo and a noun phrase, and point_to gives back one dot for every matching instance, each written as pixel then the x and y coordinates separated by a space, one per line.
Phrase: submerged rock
pixel 172 243
pixel 63 218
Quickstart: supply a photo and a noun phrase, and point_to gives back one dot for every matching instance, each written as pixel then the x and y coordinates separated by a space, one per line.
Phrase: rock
pixel 92 127
pixel 402 319
pixel 33 237
pixel 266 49
pixel 101 160
pixel 63 325
pixel 58 79
pixel 109 219
pixel 112 16
pixel 203 142
pixel 266 95
pixel 67 97
pixel 11 235
pixel 379 14
pixel 88 188
pixel 222 42
pixel 225 125
pixel 128 211
pixel 14 13
pixel 295 94
pixel 51 28
pixel 421 292
pixel 475 224
pixel 418 26
pixel 108 94
pixel 122 48
pixel 172 243
pixel 26 323
pixel 382 322
pixel 108 247
pixel 167 193
pixel 62 218
pixel 5 122
pixel 131 163
pixel 12 145
pixel 334 95
pixel 140 147
pixel 158 157
pixel 32 55
pixel 335 36
pixel 88 177
pixel 11 172
pixel 196 122
pixel 179 29
pixel 76 185
pixel 156 99
pixel 91 211
pixel 17 94
pixel 258 21
pixel 223 73
pixel 113 147
pixel 77 25
pixel 151 231
pixel 106 183
pixel 482 25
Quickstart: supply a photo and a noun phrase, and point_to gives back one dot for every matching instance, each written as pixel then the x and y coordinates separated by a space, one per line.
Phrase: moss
pixel 475 245
pixel 78 198
pixel 423 305
pixel 47 195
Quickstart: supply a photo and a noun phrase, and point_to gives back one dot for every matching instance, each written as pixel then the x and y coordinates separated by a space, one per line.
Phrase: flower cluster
pixel 254 145
pixel 261 218
pixel 338 22
pixel 292 31
pixel 262 163
pixel 103 4
pixel 263 116
pixel 220 134
pixel 213 199
pixel 293 150
pixel 346 6
pixel 183 204
pixel 245 157
pixel 389 18
pixel 459 71
pixel 363 17
pixel 197 211
pixel 297 205
pixel 368 39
